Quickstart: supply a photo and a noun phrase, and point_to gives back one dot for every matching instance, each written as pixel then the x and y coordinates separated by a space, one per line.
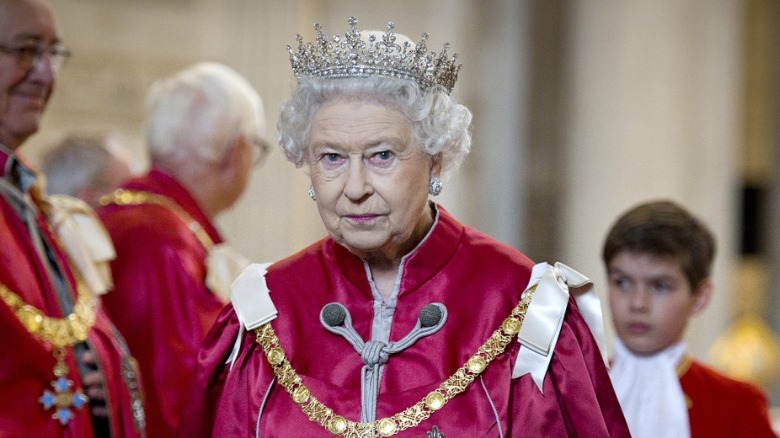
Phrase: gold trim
pixel 60 332
pixel 684 365
pixel 133 197
pixel 410 417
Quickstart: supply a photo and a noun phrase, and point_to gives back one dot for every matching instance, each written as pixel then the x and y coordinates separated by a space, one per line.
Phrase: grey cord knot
pixel 375 353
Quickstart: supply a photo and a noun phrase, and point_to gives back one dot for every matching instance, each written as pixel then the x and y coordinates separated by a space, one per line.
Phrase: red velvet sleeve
pixel 243 382
pixel 578 399
pixel 208 382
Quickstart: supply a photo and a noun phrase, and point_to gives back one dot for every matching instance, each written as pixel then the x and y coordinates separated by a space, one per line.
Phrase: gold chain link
pixel 133 197
pixel 410 417
pixel 60 332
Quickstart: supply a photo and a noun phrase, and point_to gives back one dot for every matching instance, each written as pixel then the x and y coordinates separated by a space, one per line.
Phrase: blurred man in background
pixel 205 130
pixel 86 166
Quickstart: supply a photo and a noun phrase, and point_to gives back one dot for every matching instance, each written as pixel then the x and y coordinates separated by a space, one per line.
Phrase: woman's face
pixel 371 179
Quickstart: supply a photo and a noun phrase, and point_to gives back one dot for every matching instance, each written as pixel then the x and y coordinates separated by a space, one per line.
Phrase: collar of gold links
pixel 137 197
pixel 317 412
pixel 60 332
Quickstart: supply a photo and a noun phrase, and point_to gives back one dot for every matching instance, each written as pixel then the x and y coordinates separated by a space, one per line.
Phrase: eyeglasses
pixel 28 54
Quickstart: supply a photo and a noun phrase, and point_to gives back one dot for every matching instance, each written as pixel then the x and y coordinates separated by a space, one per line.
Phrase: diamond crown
pixel 354 56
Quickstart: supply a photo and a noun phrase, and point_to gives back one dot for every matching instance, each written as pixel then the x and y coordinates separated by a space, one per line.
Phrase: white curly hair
pixel 440 125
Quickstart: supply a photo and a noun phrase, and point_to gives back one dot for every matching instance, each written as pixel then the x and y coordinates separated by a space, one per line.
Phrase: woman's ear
pixel 436 166
pixel 702 296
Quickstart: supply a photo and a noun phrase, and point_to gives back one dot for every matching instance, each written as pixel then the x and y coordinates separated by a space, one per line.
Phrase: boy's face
pixel 651 300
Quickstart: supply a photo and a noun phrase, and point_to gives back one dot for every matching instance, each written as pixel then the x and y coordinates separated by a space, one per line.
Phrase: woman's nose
pixel 357 185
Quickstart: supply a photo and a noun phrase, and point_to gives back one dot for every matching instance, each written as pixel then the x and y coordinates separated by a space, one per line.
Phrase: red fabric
pixel 26 363
pixel 720 406
pixel 160 302
pixel 478 279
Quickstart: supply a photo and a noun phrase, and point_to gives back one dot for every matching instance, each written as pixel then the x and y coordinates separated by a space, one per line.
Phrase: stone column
pixel 654 112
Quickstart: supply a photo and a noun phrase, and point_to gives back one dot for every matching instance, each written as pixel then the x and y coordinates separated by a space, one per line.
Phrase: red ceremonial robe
pixel 720 406
pixel 160 301
pixel 477 279
pixel 26 363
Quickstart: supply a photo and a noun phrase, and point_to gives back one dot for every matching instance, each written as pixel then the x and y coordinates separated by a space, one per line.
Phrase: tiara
pixel 356 57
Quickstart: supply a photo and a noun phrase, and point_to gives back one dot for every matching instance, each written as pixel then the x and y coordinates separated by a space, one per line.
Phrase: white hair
pixel 440 125
pixel 199 112
pixel 75 162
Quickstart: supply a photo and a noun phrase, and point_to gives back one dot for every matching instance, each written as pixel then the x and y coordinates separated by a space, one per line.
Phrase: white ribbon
pixel 252 303
pixel 223 266
pixel 544 317
pixel 84 239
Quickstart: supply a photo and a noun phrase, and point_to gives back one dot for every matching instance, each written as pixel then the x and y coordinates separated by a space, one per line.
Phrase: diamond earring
pixel 435 186
pixel 312 195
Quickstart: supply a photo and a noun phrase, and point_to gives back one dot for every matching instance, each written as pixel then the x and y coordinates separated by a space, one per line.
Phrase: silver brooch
pixel 434 433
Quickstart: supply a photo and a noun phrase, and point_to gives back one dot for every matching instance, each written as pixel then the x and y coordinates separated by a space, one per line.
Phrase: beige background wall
pixel 655 107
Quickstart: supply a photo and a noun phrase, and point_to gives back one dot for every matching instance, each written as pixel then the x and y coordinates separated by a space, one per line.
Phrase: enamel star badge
pixel 62 400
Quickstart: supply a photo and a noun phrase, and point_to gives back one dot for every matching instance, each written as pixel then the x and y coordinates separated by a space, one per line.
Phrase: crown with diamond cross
pixel 368 54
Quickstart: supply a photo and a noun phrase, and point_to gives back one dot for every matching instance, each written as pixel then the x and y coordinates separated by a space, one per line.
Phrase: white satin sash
pixel 223 266
pixel 544 317
pixel 252 303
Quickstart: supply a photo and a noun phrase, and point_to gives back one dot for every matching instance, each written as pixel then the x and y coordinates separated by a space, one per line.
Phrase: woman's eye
pixel 382 158
pixel 331 158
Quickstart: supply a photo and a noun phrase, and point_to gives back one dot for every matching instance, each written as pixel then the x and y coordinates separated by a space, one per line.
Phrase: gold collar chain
pixel 410 417
pixel 60 332
pixel 135 197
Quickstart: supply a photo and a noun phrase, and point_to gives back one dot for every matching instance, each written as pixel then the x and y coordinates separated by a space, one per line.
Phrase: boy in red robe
pixel 658 258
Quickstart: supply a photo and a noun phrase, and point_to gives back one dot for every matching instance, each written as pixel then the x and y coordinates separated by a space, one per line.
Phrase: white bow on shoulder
pixel 544 317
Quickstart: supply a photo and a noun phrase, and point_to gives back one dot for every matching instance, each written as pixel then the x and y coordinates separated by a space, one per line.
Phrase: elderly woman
pixel 403 320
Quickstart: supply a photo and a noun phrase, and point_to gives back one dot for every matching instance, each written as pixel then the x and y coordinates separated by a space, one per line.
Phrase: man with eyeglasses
pixel 204 132
pixel 64 369
pixel 28 53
